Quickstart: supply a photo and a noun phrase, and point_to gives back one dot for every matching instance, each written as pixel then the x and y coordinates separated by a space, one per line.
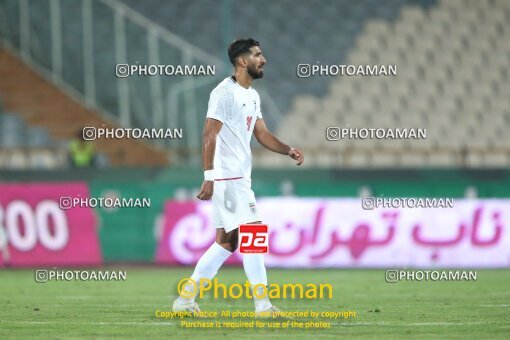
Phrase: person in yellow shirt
pixel 81 152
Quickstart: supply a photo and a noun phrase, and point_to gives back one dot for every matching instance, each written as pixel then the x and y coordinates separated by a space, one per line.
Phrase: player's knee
pixel 229 240
pixel 227 246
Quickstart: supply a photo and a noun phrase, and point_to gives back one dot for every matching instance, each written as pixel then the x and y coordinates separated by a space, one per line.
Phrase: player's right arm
pixel 218 111
pixel 211 129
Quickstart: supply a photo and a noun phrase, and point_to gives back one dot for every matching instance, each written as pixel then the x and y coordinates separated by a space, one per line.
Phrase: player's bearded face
pixel 255 70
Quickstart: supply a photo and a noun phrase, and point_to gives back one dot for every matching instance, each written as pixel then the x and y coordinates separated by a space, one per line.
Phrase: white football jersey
pixel 238 109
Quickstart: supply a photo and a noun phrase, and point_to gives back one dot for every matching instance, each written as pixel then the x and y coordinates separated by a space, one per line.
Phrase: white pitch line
pixel 100 305
pixel 167 323
pixel 95 297
pixel 333 323
pixel 442 323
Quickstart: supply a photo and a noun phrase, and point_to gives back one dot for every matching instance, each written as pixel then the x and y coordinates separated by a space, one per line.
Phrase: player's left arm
pixel 270 142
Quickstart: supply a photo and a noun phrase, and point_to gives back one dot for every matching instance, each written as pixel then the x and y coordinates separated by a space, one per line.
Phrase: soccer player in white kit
pixel 233 115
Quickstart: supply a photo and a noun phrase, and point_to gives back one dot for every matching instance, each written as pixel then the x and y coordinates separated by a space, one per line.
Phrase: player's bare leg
pixel 206 268
pixel 227 240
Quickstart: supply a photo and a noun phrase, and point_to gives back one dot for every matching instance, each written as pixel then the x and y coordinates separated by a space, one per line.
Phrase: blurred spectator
pixel 81 152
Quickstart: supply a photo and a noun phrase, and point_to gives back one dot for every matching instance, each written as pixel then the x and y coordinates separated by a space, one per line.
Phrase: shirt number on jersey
pixel 248 122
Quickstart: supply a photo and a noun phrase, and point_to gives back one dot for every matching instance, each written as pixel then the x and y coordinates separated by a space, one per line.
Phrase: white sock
pixel 256 273
pixel 207 267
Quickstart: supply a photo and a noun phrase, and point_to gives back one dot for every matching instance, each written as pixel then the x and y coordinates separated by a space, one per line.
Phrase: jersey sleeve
pixel 259 111
pixel 220 105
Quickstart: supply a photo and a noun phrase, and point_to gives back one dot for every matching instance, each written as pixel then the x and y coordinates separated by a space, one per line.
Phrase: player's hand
pixel 297 155
pixel 206 191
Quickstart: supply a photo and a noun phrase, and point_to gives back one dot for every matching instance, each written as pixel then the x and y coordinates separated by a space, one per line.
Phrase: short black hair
pixel 240 46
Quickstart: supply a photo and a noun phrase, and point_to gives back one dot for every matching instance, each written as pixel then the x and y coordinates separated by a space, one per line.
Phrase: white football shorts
pixel 233 204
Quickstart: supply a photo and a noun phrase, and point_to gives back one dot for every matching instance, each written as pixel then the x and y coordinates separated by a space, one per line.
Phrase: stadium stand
pixel 453 80
pixel 23 147
pixel 41 111
pixel 326 40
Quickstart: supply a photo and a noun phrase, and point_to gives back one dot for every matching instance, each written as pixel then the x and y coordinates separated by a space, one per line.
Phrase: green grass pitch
pixel 126 309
